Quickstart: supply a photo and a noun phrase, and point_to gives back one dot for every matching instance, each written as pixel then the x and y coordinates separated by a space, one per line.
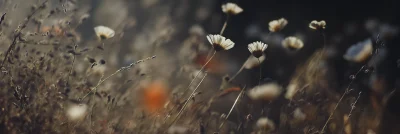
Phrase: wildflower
pixel 220 42
pixel 265 92
pixel 317 25
pixel 231 8
pixel 104 32
pixel 76 112
pixel 252 62
pixel 277 25
pixel 265 123
pixel 292 43
pixel 257 48
pixel 359 52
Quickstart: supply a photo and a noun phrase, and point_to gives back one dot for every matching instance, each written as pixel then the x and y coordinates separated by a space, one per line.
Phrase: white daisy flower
pixel 359 52
pixel 220 42
pixel 252 62
pixel 257 48
pixel 76 112
pixel 277 25
pixel 292 43
pixel 265 123
pixel 317 25
pixel 266 92
pixel 104 32
pixel 231 8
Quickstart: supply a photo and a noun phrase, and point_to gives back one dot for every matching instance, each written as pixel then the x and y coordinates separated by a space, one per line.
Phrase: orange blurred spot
pixel 155 96
pixel 229 90
pixel 213 66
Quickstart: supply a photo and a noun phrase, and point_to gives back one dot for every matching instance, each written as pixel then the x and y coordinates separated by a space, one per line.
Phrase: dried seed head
pixel 266 124
pixel 291 91
pixel 220 42
pixel 103 32
pixel 292 43
pixel 299 115
pixel 266 92
pixel 257 48
pixel 277 25
pixel 359 52
pixel 317 25
pixel 76 112
pixel 231 8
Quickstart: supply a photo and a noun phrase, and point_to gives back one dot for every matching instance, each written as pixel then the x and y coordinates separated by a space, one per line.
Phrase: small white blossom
pixel 292 43
pixel 317 25
pixel 103 32
pixel 257 48
pixel 231 8
pixel 277 25
pixel 220 42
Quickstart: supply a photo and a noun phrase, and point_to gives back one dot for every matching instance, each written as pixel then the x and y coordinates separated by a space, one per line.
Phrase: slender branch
pixel 18 31
pixel 94 89
pixel 233 106
pixel 187 100
pixel 237 73
pixel 259 62
pixel 198 73
pixel 341 98
pixel 353 106
pixel 225 24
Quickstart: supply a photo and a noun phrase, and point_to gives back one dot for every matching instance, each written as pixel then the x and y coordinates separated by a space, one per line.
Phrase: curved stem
pixel 259 62
pixel 224 26
pixel 198 73
pixel 187 101
pixel 233 106
pixel 237 73
pixel 340 100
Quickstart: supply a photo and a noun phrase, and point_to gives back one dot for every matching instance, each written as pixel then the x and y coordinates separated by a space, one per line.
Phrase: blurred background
pixel 175 31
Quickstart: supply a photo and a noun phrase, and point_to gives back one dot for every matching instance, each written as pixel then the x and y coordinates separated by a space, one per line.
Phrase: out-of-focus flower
pixel 252 62
pixel 231 8
pixel 155 96
pixel 103 32
pixel 266 124
pixel 220 42
pixel 359 52
pixel 317 25
pixel 197 30
pixel 177 130
pixel 292 43
pixel 253 31
pixel 277 25
pixel 266 92
pixel 257 48
pixel 388 31
pixel 372 25
pixel 291 91
pixel 299 115
pixel 76 112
